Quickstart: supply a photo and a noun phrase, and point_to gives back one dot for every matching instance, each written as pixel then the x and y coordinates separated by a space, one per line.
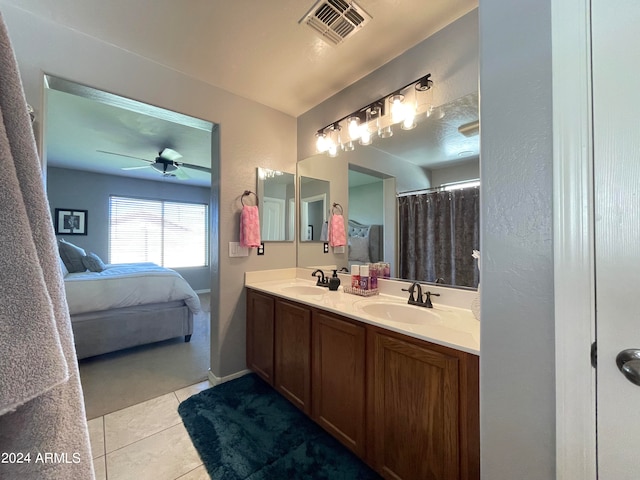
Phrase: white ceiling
pixel 255 49
pixel 83 124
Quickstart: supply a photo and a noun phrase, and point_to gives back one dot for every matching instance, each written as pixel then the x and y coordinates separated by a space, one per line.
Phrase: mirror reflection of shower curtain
pixel 437 234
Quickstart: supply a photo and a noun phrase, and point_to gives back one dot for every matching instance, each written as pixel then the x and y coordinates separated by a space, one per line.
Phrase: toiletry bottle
pixel 364 277
pixel 334 281
pixel 355 276
pixel 373 276
pixel 387 270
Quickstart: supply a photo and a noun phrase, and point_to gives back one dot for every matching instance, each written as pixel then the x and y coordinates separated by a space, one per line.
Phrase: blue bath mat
pixel 244 429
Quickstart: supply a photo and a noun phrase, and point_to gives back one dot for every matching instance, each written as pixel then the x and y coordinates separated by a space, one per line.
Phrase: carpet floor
pixel 117 380
pixel 245 430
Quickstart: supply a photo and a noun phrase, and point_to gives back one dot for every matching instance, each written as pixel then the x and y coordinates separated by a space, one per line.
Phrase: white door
pixel 272 219
pixel 616 104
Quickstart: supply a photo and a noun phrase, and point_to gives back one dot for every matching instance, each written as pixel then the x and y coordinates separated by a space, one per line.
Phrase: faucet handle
pixel 411 292
pixel 427 301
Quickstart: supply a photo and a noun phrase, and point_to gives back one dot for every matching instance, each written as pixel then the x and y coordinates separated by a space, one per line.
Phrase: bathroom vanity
pixel 396 384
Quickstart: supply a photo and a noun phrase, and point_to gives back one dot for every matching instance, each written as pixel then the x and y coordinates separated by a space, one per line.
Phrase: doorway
pixel 99 146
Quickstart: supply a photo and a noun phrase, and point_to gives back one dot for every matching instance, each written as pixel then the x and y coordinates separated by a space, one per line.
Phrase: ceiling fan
pixel 165 163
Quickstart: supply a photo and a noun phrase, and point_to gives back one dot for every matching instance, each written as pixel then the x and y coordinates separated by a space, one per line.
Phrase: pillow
pixel 63 267
pixel 71 256
pixel 93 263
pixel 359 249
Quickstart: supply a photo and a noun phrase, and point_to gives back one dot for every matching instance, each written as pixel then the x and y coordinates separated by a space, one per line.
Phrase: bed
pixel 365 243
pixel 126 305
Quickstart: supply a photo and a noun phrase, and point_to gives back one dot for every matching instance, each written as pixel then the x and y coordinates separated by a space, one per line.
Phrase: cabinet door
pixel 414 410
pixel 260 313
pixel 338 384
pixel 293 354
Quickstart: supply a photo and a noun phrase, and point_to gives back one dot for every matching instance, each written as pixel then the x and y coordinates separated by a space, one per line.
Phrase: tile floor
pixel 146 441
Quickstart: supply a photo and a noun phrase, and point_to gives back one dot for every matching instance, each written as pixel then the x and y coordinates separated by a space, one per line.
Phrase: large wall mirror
pixel 277 198
pixel 387 186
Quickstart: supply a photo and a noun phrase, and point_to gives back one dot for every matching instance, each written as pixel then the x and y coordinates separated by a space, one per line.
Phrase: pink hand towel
pixel 250 226
pixel 337 233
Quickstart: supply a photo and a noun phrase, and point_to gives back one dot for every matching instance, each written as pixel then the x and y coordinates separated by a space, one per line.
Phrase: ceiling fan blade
pixel 134 168
pixel 169 154
pixel 196 167
pixel 123 155
pixel 181 174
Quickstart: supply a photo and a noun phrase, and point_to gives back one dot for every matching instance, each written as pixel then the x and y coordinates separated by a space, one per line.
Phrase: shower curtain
pixel 437 234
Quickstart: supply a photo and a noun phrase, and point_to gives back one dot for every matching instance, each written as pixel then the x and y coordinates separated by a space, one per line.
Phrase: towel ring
pixel 336 205
pixel 247 193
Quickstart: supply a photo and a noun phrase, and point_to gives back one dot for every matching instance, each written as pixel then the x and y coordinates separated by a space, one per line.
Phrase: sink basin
pixel 303 290
pixel 401 313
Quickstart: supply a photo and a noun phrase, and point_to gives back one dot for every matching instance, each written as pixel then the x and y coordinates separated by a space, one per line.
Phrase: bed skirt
pixel 96 333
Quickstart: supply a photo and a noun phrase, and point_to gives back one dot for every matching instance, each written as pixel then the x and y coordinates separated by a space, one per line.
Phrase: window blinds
pixel 170 234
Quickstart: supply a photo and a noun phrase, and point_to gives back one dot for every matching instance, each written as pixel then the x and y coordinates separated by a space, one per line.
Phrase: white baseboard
pixel 218 380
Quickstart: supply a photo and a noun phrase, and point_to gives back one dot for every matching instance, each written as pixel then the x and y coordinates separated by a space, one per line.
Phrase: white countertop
pixel 443 324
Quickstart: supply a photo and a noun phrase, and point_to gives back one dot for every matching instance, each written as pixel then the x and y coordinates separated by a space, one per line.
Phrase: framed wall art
pixel 70 222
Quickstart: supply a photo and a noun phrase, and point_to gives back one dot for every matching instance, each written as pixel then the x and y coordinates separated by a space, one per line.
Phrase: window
pixel 171 234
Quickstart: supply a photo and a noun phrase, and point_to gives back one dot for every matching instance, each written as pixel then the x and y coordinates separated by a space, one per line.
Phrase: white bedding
pixel 127 285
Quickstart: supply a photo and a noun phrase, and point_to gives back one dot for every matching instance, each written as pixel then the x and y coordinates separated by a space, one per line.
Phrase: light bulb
pixel 321 143
pixel 409 121
pixel 349 146
pixel 333 150
pixel 365 135
pixel 397 108
pixel 354 128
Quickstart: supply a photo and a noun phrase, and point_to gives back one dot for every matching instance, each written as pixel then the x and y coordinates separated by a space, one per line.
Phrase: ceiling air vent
pixel 336 20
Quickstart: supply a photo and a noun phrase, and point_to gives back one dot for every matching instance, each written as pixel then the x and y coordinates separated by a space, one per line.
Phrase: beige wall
pixel 251 135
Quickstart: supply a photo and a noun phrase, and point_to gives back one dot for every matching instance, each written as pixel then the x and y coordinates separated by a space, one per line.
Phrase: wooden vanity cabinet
pixel 408 407
pixel 260 330
pixel 292 353
pixel 422 408
pixel 338 380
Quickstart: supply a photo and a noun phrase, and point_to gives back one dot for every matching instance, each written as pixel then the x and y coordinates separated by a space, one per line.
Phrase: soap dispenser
pixel 334 281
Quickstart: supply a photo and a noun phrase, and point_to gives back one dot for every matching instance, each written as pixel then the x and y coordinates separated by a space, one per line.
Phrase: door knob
pixel 628 362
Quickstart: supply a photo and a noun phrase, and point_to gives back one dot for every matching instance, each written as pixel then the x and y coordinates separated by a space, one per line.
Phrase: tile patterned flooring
pixel 146 441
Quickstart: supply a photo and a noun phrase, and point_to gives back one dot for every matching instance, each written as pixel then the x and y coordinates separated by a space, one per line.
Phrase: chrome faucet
pixel 322 280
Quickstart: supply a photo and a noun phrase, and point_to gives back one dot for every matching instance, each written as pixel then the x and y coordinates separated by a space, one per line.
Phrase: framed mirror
pixel 314 209
pixel 277 200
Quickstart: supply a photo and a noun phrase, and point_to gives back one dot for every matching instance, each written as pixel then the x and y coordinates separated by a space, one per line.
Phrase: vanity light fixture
pixel 264 173
pixel 372 119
